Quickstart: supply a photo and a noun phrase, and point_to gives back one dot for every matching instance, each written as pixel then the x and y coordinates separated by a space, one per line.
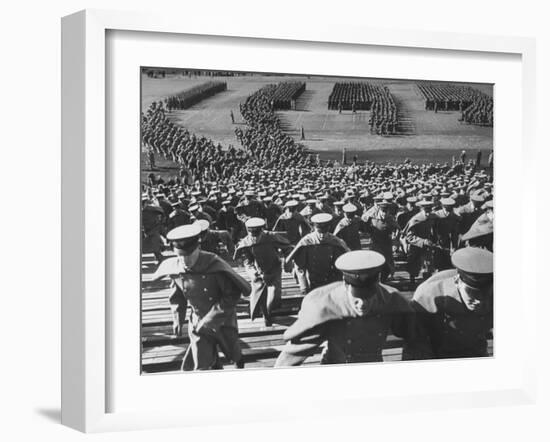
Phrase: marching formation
pixel 366 96
pixel 383 116
pixel 192 96
pixel 475 107
pixel 286 93
pixel 199 157
pixel 352 96
pixel 480 112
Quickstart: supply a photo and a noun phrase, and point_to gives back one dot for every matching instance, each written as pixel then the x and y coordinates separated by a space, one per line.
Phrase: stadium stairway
pixel 303 101
pixel 404 95
pixel 162 351
pixel 286 125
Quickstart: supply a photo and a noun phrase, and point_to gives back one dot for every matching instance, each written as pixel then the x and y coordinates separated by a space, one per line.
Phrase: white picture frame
pixel 85 214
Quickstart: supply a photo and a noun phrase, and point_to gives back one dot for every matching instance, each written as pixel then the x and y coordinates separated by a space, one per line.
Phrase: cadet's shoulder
pixel 167 267
pixel 326 296
pixel 438 286
pixel 337 241
pixel 465 208
pixel 275 237
pixel 207 258
pixel 243 242
pixel 307 240
pixel 320 306
pixel 417 217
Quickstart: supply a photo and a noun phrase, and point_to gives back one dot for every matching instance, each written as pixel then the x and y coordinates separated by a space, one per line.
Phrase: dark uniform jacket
pixel 178 217
pixel 212 289
pixel 446 229
pixel 201 215
pixel 316 258
pixel 263 263
pixel 166 207
pixel 468 214
pixel 449 328
pixel 403 218
pixel 212 239
pixel 481 233
pixel 254 209
pixel 272 213
pixel 152 219
pixel 420 236
pixel 348 230
pixel 380 230
pixel 226 219
pixel 294 225
pixel 419 231
pixel 328 316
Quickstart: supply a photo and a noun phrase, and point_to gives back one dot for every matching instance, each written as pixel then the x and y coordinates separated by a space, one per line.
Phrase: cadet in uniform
pixel 272 212
pixel 403 217
pixel 227 220
pixel 349 227
pixel 261 252
pixel 210 240
pixel 481 232
pixel 315 254
pixel 446 231
pixel 152 219
pixel 197 213
pixel 251 207
pixel 337 215
pixel 178 216
pixel 212 289
pixel 408 211
pixel 163 204
pixel 455 307
pixel 471 211
pixel 353 316
pixel 310 209
pixel 380 226
pixel 292 223
pixel 420 236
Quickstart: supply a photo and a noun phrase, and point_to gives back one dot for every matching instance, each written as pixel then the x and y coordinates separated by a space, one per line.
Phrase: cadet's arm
pixel 416 240
pixel 295 352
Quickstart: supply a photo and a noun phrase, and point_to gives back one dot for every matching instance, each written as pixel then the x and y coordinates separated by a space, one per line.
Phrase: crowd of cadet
pixel 311 222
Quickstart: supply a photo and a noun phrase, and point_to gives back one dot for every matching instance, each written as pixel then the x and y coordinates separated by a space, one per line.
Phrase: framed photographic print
pixel 270 216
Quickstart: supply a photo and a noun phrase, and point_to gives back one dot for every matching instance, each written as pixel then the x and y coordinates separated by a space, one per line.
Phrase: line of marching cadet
pixel 349 306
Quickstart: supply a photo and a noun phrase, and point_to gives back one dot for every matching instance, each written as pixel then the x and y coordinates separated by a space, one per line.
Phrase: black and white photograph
pixel 300 220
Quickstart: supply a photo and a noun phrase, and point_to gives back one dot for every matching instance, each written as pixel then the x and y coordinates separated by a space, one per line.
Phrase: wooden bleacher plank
pixel 164 334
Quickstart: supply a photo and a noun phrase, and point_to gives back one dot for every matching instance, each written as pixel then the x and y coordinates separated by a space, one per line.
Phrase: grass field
pixel 426 137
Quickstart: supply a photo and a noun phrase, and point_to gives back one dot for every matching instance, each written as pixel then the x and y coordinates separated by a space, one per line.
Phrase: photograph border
pixel 85 262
